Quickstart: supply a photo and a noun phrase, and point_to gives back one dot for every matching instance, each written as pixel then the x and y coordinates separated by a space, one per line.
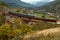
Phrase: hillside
pixel 41 3
pixel 52 7
pixel 18 4
pixel 48 34
pixel 14 27
pixel 3 6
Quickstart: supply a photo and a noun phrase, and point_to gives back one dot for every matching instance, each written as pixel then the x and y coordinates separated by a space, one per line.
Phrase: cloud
pixel 52 0
pixel 29 1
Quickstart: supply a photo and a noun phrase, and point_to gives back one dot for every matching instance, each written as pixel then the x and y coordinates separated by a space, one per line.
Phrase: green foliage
pixel 4 4
pixel 2 19
pixel 43 25
pixel 18 10
pixel 5 32
pixel 17 29
pixel 51 7
pixel 19 24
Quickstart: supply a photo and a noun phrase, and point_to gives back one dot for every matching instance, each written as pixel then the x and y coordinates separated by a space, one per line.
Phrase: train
pixel 21 14
pixel 29 17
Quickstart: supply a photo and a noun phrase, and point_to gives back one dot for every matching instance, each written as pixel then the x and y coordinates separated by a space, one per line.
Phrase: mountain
pixel 41 3
pixel 3 4
pixel 52 7
pixel 18 4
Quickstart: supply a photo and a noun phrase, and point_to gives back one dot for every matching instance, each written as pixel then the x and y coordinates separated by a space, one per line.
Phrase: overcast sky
pixel 29 1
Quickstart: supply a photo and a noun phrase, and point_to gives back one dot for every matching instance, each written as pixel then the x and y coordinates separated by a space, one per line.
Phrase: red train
pixel 29 17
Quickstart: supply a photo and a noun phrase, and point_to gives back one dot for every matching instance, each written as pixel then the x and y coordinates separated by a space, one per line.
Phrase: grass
pixel 38 15
pixel 56 37
pixel 45 35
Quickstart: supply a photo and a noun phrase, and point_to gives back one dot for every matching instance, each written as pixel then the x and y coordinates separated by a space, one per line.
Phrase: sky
pixel 30 1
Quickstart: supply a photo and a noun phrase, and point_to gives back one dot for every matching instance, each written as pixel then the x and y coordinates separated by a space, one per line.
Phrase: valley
pixel 24 21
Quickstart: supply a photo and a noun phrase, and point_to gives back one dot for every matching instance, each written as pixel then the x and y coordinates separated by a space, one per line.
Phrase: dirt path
pixel 47 32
